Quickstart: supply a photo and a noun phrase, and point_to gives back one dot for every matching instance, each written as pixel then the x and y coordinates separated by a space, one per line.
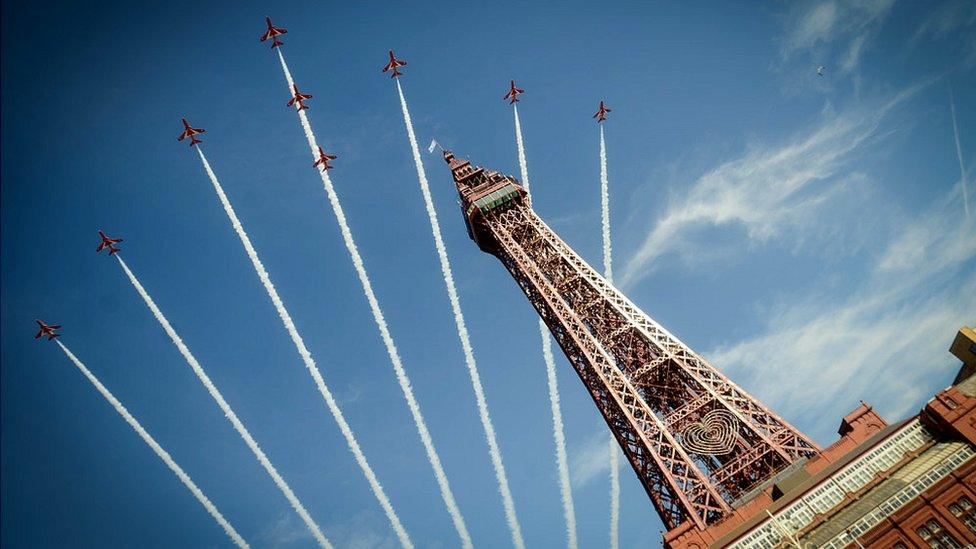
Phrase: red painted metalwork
pixel 695 439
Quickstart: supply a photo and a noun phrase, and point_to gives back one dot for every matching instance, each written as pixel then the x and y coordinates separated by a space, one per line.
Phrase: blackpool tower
pixel 696 440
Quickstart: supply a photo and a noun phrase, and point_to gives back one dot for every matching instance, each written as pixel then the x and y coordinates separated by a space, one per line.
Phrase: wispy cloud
pixel 811 27
pixel 590 460
pixel 821 29
pixel 285 531
pixel 768 192
pixel 951 23
pixel 853 55
pixel 886 340
pixel 963 180
pixel 364 530
pixel 947 18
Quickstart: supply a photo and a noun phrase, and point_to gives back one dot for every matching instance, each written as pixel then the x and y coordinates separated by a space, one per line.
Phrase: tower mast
pixel 696 440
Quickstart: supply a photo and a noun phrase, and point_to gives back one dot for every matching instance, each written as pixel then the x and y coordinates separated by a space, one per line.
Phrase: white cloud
pixel 769 192
pixel 590 460
pixel 951 23
pixel 947 18
pixel 365 530
pixel 886 340
pixel 853 56
pixel 814 26
pixel 821 28
pixel 285 531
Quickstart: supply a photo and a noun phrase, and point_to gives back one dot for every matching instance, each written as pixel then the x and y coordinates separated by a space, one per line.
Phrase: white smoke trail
pixel 605 209
pixel 435 462
pixel 558 434
pixel 494 451
pixel 163 454
pixel 228 411
pixel 962 168
pixel 523 167
pixel 306 355
pixel 562 464
pixel 614 494
pixel 608 274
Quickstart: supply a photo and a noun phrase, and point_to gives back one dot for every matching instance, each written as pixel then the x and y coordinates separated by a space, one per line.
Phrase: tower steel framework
pixel 696 440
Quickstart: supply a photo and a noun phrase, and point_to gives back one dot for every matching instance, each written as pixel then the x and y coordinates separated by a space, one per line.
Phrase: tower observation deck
pixel 697 441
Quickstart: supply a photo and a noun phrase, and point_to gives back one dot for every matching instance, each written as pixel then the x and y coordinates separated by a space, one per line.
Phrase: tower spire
pixel 696 441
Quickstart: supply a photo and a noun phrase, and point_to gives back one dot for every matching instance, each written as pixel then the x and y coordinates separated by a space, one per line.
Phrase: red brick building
pixel 911 484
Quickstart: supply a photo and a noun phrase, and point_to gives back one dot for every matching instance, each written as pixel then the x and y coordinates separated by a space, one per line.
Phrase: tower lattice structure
pixel 696 440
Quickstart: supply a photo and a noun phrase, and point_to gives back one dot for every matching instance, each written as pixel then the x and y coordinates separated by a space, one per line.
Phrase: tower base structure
pixel 900 486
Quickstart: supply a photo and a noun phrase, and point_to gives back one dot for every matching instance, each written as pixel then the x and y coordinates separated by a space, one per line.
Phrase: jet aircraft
pixel 45 330
pixel 108 243
pixel 324 160
pixel 513 94
pixel 298 98
pixel 394 65
pixel 273 33
pixel 190 132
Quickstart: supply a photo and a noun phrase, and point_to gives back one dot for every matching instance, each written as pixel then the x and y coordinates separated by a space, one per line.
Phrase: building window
pixel 899 545
pixel 935 536
pixel 964 510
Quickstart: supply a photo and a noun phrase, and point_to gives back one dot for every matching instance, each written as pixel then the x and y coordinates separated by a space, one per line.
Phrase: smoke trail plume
pixel 605 209
pixel 435 462
pixel 962 169
pixel 228 411
pixel 163 454
pixel 562 464
pixel 558 435
pixel 494 451
pixel 306 354
pixel 523 167
pixel 608 274
pixel 614 494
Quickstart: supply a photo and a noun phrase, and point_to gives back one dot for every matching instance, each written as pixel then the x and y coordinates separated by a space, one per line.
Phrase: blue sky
pixel 806 234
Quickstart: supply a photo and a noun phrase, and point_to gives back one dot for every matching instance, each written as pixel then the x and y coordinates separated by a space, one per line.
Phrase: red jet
pixel 393 65
pixel 513 94
pixel 601 114
pixel 324 160
pixel 273 33
pixel 46 330
pixel 190 132
pixel 108 243
pixel 298 98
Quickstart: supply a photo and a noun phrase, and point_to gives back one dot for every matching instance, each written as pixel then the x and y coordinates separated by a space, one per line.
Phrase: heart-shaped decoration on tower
pixel 713 435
